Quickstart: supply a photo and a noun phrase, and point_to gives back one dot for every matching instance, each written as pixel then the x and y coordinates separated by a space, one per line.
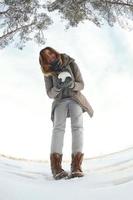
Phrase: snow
pixel 63 75
pixel 106 177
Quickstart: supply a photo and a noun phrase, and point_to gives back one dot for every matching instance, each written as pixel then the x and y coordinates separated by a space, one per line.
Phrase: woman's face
pixel 51 56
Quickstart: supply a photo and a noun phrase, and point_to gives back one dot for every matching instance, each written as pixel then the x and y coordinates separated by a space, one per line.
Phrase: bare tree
pixel 28 19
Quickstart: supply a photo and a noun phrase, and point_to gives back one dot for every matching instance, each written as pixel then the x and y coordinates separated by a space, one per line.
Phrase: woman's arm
pixel 51 90
pixel 79 83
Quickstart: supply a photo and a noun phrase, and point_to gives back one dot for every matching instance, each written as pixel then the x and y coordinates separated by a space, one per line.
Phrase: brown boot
pixel 56 168
pixel 76 170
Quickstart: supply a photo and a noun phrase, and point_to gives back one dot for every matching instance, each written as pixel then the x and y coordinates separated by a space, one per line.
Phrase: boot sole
pixel 61 176
pixel 74 175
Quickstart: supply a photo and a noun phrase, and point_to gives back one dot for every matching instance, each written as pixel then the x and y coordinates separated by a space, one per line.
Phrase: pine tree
pixel 28 19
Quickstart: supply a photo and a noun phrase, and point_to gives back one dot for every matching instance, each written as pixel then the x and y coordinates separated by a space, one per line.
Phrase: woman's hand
pixel 59 84
pixel 68 82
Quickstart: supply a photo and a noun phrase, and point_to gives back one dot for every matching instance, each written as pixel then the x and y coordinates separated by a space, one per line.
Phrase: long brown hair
pixel 45 66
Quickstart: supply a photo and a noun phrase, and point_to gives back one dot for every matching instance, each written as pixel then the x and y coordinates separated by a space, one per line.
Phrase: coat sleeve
pixel 51 90
pixel 79 83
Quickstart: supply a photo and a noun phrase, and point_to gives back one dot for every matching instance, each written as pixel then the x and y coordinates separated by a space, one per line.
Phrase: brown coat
pixel 74 93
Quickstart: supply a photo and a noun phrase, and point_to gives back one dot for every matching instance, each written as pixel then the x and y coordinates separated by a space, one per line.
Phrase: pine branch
pixel 14 31
pixel 118 3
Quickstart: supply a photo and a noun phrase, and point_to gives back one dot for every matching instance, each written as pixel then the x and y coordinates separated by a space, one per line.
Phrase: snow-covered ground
pixel 108 177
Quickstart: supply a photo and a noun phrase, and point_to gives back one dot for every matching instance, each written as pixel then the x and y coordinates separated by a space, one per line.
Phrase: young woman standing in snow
pixel 68 102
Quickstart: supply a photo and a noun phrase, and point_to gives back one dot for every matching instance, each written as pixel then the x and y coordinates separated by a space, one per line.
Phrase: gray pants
pixel 59 124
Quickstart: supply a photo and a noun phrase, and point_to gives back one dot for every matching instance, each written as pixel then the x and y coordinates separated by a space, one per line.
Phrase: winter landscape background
pixel 105 58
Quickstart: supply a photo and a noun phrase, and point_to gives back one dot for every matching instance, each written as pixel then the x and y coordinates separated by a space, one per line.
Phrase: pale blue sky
pixel 105 58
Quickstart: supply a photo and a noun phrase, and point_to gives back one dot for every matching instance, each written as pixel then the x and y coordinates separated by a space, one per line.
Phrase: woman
pixel 68 102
